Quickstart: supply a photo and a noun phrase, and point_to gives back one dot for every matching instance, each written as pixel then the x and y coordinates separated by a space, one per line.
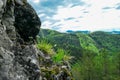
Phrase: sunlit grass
pixel 61 55
pixel 46 47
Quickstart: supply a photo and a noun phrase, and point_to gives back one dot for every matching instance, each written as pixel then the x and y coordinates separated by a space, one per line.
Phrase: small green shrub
pixel 61 55
pixel 46 47
pixel 58 56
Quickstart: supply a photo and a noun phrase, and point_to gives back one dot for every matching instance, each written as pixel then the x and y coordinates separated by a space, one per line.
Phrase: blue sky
pixel 62 15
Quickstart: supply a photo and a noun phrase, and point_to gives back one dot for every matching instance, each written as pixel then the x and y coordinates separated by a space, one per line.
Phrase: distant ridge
pixel 87 31
pixel 84 31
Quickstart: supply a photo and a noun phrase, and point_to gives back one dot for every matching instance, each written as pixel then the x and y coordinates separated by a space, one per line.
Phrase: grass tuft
pixel 46 47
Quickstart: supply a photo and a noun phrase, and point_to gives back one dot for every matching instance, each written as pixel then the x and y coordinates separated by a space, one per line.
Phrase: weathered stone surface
pixel 17 61
pixel 21 65
pixel 6 64
pixel 8 19
pixel 5 41
pixel 19 57
pixel 27 63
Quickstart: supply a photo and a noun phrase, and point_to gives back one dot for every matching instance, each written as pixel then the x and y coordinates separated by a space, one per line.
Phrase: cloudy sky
pixel 62 15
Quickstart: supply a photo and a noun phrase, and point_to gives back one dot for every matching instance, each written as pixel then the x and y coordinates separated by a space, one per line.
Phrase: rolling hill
pixel 77 42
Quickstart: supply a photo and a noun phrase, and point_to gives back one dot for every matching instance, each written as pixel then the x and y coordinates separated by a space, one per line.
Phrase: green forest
pixel 93 56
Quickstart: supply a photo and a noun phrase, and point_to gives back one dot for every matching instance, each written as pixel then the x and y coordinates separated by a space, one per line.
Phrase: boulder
pixel 27 23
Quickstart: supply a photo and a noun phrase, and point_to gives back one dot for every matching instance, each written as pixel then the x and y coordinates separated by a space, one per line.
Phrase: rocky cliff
pixel 19 57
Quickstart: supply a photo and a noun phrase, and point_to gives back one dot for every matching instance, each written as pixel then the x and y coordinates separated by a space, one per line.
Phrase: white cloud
pixel 46 24
pixel 41 15
pixel 34 1
pixel 66 12
pixel 102 2
pixel 95 19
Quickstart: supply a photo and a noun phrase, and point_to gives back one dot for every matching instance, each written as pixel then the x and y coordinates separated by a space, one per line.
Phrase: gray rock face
pixel 19 57
pixel 18 61
pixel 6 60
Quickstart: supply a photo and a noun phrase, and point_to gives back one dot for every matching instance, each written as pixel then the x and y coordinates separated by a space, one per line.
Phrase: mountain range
pixel 77 41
